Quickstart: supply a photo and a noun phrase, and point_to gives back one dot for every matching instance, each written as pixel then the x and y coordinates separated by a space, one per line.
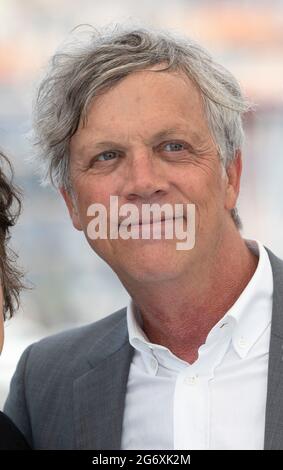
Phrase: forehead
pixel 145 102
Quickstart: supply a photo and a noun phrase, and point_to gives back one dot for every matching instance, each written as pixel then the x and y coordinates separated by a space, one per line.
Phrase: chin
pixel 154 267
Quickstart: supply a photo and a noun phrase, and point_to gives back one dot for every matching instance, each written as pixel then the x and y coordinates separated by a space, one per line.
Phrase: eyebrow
pixel 163 134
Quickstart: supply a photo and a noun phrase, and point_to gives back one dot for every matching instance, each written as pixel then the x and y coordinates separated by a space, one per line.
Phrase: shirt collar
pixel 251 312
pixel 152 354
pixel 138 338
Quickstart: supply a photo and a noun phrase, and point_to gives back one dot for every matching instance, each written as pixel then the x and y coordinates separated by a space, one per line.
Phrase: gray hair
pixel 91 67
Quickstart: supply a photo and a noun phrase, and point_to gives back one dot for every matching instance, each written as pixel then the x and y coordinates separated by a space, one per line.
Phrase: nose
pixel 146 179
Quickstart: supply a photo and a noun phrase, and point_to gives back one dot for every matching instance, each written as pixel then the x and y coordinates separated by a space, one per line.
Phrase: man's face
pixel 147 141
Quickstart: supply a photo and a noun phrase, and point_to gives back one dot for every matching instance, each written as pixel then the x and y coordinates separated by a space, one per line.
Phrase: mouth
pixel 152 221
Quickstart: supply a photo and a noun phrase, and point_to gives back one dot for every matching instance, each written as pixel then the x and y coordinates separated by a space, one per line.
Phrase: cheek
pixel 94 189
pixel 211 189
pixel 207 194
pixel 88 195
pixel 202 191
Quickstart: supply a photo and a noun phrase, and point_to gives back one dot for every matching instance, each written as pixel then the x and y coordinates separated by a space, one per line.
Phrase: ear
pixel 233 178
pixel 69 200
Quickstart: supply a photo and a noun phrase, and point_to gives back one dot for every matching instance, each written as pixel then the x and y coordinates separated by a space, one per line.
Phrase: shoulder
pixel 69 348
pixel 276 262
pixel 88 334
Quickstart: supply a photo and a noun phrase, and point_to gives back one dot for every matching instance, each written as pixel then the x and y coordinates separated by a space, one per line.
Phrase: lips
pixel 150 222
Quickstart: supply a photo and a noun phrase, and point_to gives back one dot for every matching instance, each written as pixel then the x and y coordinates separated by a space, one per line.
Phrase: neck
pixel 179 314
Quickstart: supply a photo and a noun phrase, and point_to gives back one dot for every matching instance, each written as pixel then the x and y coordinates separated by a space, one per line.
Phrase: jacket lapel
pixel 99 395
pixel 274 403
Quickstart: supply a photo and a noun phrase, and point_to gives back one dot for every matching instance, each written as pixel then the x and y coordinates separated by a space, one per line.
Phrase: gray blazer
pixel 68 391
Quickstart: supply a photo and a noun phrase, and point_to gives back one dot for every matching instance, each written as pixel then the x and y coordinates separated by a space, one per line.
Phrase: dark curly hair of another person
pixel 10 208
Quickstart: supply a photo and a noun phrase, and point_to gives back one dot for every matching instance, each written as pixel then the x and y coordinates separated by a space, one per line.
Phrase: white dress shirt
pixel 219 401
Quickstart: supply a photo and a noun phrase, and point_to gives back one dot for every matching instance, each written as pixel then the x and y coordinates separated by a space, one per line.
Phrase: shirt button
pixel 242 342
pixel 153 363
pixel 190 380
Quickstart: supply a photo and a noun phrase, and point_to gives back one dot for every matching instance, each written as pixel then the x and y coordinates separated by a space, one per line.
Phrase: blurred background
pixel 72 286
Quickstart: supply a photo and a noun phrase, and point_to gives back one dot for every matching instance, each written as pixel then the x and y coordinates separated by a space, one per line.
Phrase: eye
pixel 174 147
pixel 105 156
